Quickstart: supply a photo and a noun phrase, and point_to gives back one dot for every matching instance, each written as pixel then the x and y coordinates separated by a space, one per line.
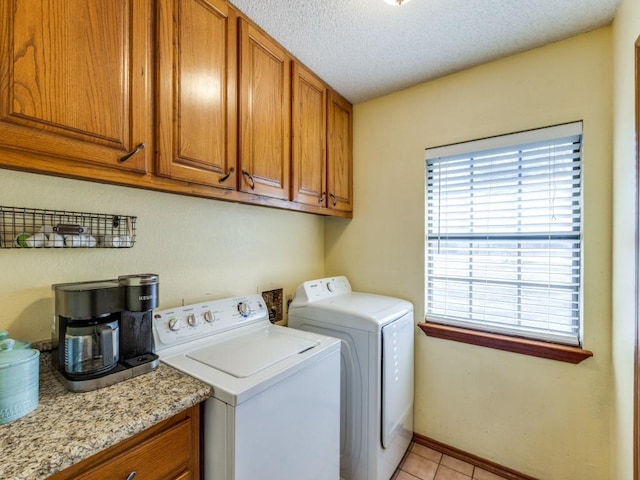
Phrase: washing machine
pixel 275 408
pixel 376 382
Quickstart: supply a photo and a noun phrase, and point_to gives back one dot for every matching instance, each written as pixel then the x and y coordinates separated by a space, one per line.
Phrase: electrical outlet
pixel 273 299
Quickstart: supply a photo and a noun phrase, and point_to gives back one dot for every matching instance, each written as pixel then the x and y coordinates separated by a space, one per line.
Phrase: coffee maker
pixel 102 332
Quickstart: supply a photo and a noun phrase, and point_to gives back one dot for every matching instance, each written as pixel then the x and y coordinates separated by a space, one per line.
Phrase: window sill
pixel 551 351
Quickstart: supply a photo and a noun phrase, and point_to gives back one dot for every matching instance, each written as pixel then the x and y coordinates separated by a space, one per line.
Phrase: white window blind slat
pixel 503 234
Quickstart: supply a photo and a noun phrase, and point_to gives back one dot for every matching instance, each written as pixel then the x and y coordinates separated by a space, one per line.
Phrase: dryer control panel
pixel 321 289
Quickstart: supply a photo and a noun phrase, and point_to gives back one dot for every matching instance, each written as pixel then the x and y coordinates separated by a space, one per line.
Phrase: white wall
pixel 626 29
pixel 544 418
pixel 200 248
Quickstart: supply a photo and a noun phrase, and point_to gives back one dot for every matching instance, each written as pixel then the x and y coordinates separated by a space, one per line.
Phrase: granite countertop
pixel 68 427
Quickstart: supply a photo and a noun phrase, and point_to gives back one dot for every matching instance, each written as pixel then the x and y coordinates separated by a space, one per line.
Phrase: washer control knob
pixel 174 324
pixel 208 316
pixel 330 286
pixel 192 320
pixel 244 309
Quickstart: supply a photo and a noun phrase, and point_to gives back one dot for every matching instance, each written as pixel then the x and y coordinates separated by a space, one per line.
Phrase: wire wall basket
pixel 36 228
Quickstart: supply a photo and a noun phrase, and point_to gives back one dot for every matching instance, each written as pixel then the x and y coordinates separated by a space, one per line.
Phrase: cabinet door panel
pixel 74 79
pixel 196 92
pixel 169 450
pixel 308 138
pixel 172 446
pixel 339 161
pixel 264 115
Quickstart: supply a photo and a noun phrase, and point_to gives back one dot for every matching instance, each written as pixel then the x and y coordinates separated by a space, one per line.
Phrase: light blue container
pixel 19 379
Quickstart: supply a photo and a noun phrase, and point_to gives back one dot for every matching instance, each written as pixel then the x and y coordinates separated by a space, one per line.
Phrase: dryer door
pixel 397 377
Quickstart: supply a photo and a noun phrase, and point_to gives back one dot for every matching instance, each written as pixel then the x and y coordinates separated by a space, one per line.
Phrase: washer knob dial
pixel 244 309
pixel 174 324
pixel 208 316
pixel 330 286
pixel 192 320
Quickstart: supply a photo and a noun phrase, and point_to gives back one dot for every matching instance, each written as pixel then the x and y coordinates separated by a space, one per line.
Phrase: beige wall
pixel 626 29
pixel 544 418
pixel 201 248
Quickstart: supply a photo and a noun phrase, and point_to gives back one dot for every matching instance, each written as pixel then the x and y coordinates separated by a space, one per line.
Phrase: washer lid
pixel 246 355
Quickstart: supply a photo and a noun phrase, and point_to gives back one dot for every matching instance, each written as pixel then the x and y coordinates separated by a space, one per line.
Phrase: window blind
pixel 503 234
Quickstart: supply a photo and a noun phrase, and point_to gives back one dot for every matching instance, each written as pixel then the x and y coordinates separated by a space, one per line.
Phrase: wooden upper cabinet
pixel 309 126
pixel 196 102
pixel 75 81
pixel 265 115
pixel 339 154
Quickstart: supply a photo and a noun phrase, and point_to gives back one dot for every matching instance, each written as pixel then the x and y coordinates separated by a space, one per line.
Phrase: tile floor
pixel 423 463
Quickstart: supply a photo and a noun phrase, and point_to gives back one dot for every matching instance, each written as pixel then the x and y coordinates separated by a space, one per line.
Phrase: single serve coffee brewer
pixel 102 331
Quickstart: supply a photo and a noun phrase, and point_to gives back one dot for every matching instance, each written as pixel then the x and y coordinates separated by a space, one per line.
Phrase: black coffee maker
pixel 102 330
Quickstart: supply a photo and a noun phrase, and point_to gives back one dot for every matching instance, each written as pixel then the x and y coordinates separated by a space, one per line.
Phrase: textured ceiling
pixel 367 48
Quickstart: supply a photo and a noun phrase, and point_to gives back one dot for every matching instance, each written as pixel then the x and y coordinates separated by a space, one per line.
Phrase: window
pixel 503 234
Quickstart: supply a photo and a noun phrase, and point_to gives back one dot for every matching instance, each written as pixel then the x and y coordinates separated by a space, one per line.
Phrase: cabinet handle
pixel 131 476
pixel 126 157
pixel 322 197
pixel 333 199
pixel 224 179
pixel 252 184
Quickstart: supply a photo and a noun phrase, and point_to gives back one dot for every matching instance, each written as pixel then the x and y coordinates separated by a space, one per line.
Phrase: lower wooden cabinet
pixel 167 451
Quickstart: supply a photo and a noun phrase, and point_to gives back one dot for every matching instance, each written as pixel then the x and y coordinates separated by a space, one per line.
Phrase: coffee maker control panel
pixel 190 322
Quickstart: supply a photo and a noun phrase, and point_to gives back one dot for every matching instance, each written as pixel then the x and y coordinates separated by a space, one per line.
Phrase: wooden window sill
pixel 552 351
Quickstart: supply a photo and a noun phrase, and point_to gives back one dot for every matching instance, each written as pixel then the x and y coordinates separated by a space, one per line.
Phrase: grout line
pixel 439 464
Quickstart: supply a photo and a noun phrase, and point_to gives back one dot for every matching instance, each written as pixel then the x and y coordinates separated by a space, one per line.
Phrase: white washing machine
pixel 376 424
pixel 274 412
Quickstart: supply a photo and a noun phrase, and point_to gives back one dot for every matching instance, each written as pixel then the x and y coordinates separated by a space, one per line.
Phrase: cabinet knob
pixel 333 199
pixel 131 476
pixel 322 197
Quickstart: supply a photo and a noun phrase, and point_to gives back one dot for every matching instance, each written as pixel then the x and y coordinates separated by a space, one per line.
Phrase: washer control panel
pixel 189 322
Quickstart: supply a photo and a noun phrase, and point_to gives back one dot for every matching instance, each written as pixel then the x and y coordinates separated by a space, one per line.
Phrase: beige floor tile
pixel 419 467
pixel 480 474
pixel 457 465
pixel 405 476
pixel 426 452
pixel 445 473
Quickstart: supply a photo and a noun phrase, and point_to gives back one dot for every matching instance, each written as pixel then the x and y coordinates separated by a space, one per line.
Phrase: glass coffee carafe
pixel 91 348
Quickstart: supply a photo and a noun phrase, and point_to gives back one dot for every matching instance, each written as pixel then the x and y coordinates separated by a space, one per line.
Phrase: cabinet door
pixel 309 126
pixel 145 461
pixel 74 80
pixel 265 115
pixel 169 450
pixel 339 154
pixel 197 125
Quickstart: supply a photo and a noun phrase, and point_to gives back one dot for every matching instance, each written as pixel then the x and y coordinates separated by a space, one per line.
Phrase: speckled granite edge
pixel 68 427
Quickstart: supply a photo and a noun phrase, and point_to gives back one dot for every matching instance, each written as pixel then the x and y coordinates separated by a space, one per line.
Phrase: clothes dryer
pixel 376 404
